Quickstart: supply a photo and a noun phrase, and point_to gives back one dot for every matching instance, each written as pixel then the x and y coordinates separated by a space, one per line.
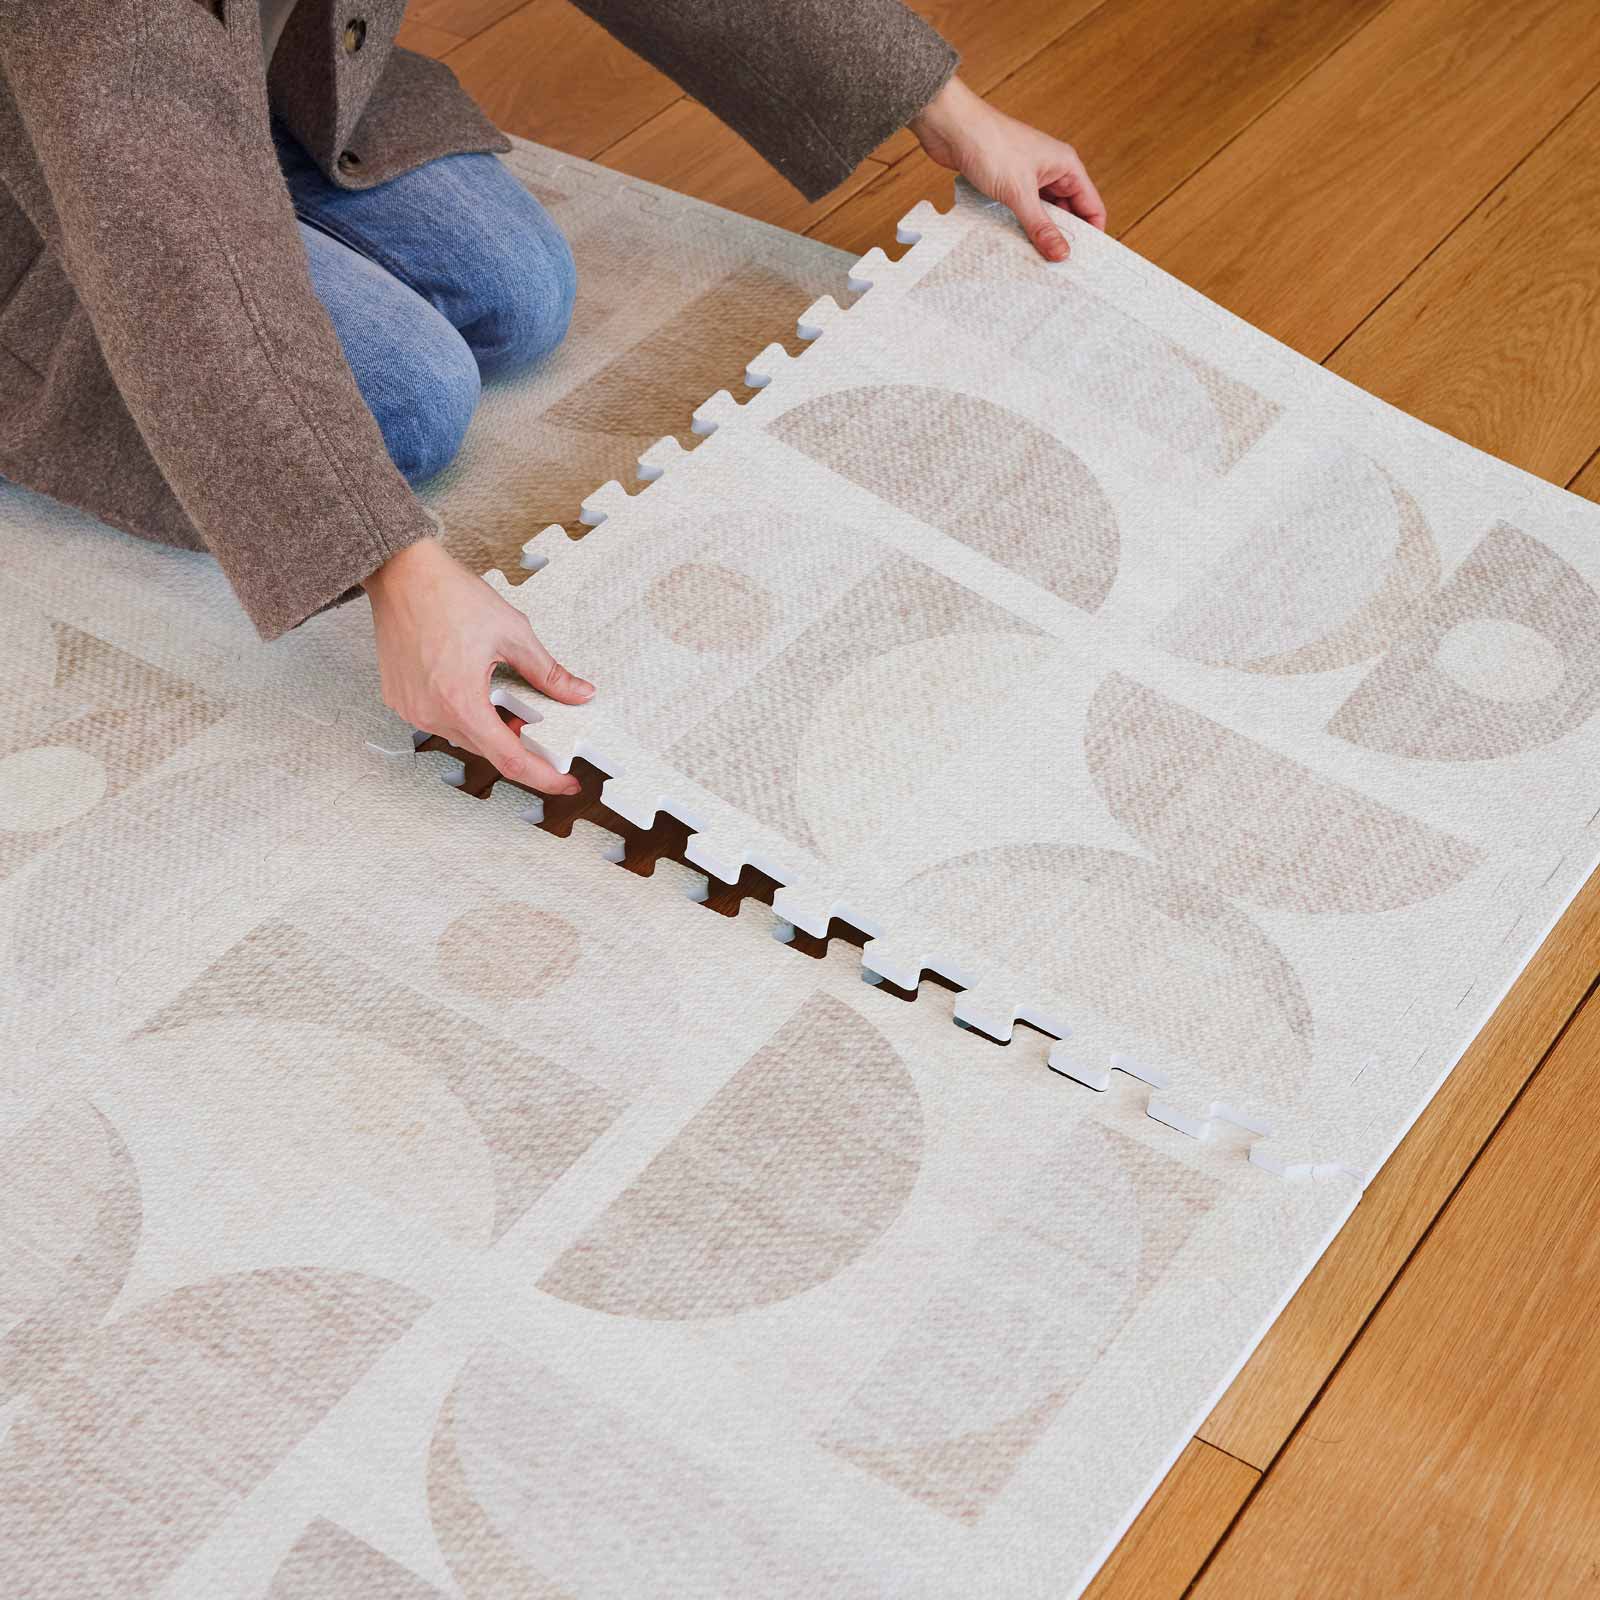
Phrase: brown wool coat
pixel 164 362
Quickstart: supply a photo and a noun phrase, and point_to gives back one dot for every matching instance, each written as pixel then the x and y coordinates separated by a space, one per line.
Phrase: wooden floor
pixel 1408 192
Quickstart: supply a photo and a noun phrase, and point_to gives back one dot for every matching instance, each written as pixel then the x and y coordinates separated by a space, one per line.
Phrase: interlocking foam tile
pixel 396 1200
pixel 153 750
pixel 530 1229
pixel 1082 643
pixel 653 329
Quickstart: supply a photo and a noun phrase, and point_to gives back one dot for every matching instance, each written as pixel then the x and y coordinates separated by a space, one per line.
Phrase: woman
pixel 254 261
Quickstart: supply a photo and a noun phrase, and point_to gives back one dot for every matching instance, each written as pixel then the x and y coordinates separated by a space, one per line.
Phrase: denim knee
pixel 414 371
pixel 428 404
pixel 525 300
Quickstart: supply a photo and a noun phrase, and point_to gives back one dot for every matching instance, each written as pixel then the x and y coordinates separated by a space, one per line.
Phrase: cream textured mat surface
pixel 396 1200
pixel 526 1229
pixel 1078 641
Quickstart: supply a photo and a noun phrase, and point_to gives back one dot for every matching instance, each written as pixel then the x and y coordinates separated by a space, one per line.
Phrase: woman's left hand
pixel 1010 162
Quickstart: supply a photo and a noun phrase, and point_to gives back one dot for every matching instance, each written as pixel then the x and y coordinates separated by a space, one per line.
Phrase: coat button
pixel 355 34
pixel 349 161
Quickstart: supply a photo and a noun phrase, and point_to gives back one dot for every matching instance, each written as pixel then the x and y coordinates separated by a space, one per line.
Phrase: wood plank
pixel 1312 216
pixel 869 216
pixel 1587 482
pixel 1147 91
pixel 685 148
pixel 995 37
pixel 1453 1453
pixel 1496 337
pixel 426 40
pixel 1180 1524
pixel 465 18
pixel 993 40
pixel 548 73
pixel 1304 1345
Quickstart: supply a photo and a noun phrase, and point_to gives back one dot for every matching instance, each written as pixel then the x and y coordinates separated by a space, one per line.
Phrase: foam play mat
pixel 399 1200
pixel 1078 642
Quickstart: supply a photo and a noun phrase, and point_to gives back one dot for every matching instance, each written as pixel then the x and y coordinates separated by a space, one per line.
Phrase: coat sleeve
pixel 814 85
pixel 162 197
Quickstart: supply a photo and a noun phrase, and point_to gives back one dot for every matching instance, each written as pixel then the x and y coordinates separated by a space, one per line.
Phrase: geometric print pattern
pixel 330 1267
pixel 398 1201
pixel 1039 612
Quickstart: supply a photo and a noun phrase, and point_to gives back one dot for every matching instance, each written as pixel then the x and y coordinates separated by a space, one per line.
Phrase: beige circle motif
pixel 1498 659
pixel 49 786
pixel 505 950
pixel 710 608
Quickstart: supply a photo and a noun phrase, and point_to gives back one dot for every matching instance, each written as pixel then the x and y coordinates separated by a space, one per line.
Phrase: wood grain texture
pixel 466 18
pixel 426 40
pixel 1170 1539
pixel 1282 1377
pixel 1149 90
pixel 685 148
pixel 1146 90
pixel 1311 217
pixel 1453 1453
pixel 1587 482
pixel 869 216
pixel 1496 337
pixel 992 40
pixel 546 72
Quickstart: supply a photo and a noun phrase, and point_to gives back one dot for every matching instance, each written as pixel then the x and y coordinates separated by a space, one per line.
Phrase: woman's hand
pixel 441 632
pixel 1010 162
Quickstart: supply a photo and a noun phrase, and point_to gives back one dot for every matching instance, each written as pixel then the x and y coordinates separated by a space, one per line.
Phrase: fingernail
pixel 584 687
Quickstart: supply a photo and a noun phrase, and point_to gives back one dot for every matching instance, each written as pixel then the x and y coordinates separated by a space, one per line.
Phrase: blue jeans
pixel 443 276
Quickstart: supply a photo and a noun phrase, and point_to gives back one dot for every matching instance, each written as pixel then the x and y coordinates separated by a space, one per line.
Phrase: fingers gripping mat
pixel 530 1229
pixel 1078 642
pixel 652 331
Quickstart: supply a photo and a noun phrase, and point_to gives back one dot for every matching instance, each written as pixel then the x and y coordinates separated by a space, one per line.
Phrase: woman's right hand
pixel 441 632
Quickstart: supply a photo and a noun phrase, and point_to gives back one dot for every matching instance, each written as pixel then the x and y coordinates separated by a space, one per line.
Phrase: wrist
pixel 938 125
pixel 404 566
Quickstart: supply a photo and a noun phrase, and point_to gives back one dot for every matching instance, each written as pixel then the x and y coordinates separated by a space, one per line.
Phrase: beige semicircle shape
pixel 1329 584
pixel 1226 809
pixel 1139 945
pixel 485 1544
pixel 754 747
pixel 894 746
pixel 711 608
pixel 300 1110
pixel 70 1220
pixel 996 289
pixel 185 1404
pixel 1012 491
pixel 783 1179
pixel 540 1488
pixel 526 1116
